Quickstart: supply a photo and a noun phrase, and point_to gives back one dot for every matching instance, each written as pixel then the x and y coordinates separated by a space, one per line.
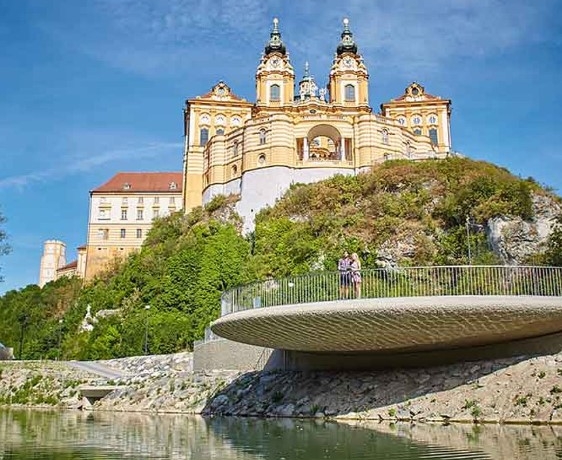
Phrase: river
pixel 33 434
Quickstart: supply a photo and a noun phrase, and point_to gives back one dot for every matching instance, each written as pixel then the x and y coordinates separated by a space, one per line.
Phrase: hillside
pixel 401 213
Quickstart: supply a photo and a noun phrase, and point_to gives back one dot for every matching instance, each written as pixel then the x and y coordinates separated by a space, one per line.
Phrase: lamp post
pixel 468 239
pixel 60 338
pixel 146 308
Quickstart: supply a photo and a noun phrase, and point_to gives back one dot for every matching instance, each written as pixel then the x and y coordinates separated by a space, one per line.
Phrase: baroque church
pixel 302 133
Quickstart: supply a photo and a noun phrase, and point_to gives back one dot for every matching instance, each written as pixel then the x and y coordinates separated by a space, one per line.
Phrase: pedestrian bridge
pixel 400 310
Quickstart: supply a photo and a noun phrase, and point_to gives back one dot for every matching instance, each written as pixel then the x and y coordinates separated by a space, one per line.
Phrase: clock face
pixel 348 62
pixel 275 62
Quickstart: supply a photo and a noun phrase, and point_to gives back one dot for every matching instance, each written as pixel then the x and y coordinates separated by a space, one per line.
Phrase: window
pixel 275 93
pixel 123 214
pixel 263 137
pixel 139 232
pixel 172 200
pixel 156 199
pixel 156 213
pixel 139 214
pixel 433 119
pixel 261 159
pixel 385 136
pixel 173 186
pixel 349 92
pixel 141 200
pixel 235 149
pixel 234 170
pixel 417 131
pixel 220 132
pixel 102 214
pixel 203 136
pixel 433 136
pixel 126 186
pixel 416 120
pixel 123 233
pixel 125 200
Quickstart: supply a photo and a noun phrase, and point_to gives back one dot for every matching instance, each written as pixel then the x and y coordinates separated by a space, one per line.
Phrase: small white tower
pixel 53 258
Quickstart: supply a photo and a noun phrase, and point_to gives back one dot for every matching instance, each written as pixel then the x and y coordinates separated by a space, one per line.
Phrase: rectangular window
pixel 139 232
pixel 123 233
pixel 156 200
pixel 349 91
pixel 203 136
pixel 275 93
pixel 141 200
pixel 172 200
pixel 139 214
pixel 156 213
pixel 123 214
pixel 125 200
pixel 433 136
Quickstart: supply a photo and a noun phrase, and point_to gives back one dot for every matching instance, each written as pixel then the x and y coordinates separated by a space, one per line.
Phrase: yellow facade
pixel 308 132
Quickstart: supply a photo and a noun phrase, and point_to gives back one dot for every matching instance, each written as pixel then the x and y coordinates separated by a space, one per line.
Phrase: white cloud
pixel 159 38
pixel 87 161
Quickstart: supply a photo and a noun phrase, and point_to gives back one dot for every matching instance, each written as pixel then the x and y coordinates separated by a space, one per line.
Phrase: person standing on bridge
pixel 344 267
pixel 355 267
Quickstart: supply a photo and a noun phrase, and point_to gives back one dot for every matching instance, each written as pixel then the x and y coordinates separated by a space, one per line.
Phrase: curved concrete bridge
pixel 394 324
pixel 407 310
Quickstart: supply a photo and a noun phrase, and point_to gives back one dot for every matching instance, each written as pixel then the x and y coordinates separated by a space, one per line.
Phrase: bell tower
pixel 349 77
pixel 275 76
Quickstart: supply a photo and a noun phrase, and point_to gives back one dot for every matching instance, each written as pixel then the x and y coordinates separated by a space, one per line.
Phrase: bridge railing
pixel 397 282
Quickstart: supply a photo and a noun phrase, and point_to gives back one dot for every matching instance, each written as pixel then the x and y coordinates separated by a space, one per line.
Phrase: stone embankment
pixel 523 389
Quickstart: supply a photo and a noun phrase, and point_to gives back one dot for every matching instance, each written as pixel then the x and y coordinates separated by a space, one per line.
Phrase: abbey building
pixel 298 132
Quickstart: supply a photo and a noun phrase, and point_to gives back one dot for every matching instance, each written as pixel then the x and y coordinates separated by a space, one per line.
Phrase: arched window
pixel 235 149
pixel 385 136
pixel 274 93
pixel 433 136
pixel 349 91
pixel 417 131
pixel 263 136
pixel 234 170
pixel 220 132
pixel 203 136
pixel 261 159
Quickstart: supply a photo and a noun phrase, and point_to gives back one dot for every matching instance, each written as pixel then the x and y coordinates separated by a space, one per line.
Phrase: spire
pixel 275 43
pixel 347 44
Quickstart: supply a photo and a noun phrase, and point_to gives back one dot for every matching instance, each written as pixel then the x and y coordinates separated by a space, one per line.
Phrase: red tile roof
pixel 142 182
pixel 73 264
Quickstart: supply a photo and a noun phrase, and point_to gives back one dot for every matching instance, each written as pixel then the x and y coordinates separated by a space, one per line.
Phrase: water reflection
pixel 104 435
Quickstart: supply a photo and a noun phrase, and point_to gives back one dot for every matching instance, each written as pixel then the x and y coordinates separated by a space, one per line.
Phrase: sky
pixel 94 87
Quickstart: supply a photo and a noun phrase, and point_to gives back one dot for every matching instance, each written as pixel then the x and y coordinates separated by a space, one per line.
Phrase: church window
pixel 220 132
pixel 235 149
pixel 203 136
pixel 433 136
pixel 385 136
pixel 123 233
pixel 433 119
pixel 349 93
pixel 263 136
pixel 417 131
pixel 402 120
pixel 234 170
pixel 261 159
pixel 275 93
pixel 416 120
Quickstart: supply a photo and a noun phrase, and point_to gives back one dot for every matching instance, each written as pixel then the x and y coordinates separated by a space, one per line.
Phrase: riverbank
pixel 511 390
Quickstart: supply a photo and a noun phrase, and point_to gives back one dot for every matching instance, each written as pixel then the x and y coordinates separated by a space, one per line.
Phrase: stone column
pixel 305 149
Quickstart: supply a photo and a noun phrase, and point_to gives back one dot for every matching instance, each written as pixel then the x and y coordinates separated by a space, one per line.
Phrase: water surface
pixel 102 435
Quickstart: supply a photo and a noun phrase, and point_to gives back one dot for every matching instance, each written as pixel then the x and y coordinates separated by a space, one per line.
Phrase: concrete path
pixel 98 369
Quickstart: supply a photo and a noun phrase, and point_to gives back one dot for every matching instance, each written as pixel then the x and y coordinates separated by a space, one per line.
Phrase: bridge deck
pixel 394 324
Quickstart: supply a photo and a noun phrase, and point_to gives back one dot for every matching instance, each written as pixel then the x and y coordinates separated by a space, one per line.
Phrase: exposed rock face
pixel 514 239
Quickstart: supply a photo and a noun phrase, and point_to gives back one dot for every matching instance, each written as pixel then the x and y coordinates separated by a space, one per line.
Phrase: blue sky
pixel 93 87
